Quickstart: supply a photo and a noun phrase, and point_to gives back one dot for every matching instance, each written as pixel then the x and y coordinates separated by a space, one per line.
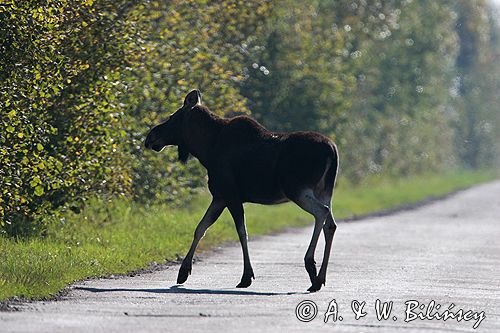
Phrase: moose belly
pixel 266 198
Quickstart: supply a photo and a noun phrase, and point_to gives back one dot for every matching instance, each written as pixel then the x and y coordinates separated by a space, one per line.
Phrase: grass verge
pixel 122 237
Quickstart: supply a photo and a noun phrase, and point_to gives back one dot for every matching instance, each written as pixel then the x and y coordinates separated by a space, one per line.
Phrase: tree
pixel 477 77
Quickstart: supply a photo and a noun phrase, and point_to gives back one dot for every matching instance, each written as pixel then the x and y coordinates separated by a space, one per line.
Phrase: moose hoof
pixel 246 281
pixel 184 272
pixel 316 286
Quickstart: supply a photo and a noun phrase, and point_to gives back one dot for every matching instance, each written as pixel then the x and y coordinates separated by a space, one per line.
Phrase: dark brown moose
pixel 247 163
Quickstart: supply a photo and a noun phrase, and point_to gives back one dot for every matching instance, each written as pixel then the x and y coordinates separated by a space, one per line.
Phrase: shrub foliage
pixel 402 86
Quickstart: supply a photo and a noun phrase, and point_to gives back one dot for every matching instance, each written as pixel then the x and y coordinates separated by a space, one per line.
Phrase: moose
pixel 247 163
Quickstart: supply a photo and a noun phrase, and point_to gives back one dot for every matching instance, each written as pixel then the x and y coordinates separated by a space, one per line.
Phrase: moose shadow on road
pixel 180 290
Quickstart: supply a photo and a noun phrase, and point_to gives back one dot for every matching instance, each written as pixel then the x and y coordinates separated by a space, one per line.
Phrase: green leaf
pixel 35 181
pixel 39 191
pixel 39 146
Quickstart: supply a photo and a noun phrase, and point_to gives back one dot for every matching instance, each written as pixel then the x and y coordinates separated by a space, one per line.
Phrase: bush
pixel 61 74
pixel 81 82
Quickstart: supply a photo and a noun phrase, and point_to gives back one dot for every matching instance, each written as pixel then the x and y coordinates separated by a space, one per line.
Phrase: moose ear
pixel 192 98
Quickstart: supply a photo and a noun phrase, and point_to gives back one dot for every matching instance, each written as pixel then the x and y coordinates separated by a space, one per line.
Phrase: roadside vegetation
pixel 120 237
pixel 403 87
pixel 407 89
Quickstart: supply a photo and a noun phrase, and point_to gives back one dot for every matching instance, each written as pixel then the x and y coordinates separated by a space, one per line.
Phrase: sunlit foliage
pixel 188 44
pixel 60 70
pixel 403 87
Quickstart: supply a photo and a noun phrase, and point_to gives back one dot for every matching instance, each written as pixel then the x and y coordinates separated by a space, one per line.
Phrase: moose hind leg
pixel 212 214
pixel 329 231
pixel 238 215
pixel 308 202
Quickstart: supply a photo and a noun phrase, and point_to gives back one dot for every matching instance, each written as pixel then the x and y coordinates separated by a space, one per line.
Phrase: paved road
pixel 447 251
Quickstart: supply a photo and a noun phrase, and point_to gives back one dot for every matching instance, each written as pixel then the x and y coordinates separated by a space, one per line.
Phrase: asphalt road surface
pixel 447 251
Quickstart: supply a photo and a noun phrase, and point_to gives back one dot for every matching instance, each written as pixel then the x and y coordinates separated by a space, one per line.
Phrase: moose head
pixel 169 132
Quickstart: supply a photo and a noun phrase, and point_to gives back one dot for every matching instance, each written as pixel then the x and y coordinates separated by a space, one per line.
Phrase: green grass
pixel 122 237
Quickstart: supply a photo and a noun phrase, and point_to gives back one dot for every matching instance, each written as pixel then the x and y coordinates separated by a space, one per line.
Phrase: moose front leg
pixel 238 215
pixel 212 214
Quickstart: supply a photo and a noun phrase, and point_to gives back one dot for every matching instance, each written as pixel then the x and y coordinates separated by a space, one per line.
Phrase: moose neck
pixel 200 133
